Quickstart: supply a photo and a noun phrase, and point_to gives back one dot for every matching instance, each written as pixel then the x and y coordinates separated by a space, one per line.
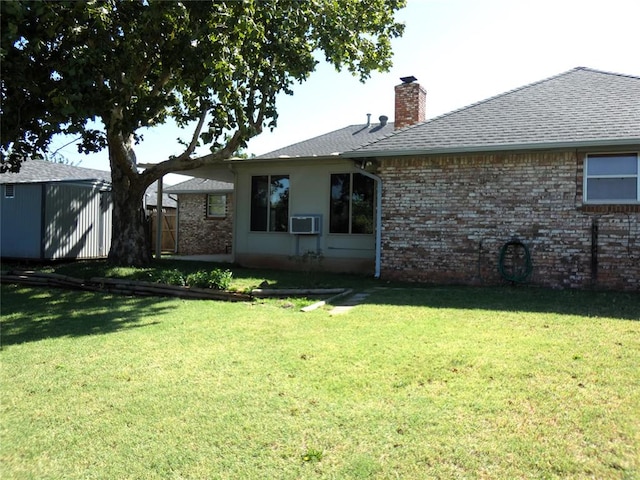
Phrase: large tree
pixel 215 65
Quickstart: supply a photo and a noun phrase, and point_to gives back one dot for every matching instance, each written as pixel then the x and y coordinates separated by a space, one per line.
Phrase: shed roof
pixel 41 171
pixel 581 107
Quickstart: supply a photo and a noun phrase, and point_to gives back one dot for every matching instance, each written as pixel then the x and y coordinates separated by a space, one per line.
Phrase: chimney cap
pixel 408 79
pixel 383 120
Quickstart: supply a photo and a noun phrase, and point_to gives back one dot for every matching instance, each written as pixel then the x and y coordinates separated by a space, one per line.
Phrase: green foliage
pixel 312 455
pixel 136 64
pixel 217 279
pixel 170 277
pixel 217 66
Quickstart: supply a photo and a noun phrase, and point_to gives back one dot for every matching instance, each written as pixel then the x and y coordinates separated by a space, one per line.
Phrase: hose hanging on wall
pixel 520 266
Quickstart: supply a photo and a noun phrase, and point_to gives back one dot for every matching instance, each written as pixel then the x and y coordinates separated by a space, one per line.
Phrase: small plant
pixel 199 279
pixel 220 279
pixel 217 279
pixel 312 455
pixel 171 277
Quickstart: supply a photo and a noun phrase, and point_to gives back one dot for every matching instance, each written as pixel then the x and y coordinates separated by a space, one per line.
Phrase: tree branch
pixel 194 138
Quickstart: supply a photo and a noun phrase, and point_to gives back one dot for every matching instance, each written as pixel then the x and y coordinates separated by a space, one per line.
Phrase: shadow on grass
pixel 514 299
pixel 32 314
pixel 500 298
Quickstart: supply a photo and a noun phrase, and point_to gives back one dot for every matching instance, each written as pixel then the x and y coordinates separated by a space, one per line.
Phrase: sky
pixel 461 52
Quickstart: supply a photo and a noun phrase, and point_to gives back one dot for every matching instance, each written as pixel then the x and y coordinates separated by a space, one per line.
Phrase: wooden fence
pixel 169 230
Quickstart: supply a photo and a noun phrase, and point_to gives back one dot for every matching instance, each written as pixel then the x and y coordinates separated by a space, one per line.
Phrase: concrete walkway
pixel 350 303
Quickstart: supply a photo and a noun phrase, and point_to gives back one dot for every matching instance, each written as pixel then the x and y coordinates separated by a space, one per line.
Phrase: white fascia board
pixel 633 143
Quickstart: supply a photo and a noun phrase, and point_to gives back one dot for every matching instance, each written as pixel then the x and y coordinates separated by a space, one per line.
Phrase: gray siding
pixel 20 232
pixel 77 222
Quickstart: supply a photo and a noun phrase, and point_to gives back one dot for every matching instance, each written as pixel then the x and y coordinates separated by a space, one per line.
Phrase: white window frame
pixel 586 176
pixel 223 196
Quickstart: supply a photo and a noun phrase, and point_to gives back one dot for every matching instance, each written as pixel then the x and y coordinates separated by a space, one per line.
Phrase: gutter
pixel 623 142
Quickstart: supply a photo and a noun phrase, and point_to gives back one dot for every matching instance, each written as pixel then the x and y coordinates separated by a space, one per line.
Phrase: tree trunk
pixel 130 244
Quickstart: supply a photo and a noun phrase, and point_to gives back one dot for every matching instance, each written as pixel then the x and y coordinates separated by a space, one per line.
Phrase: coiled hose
pixel 516 273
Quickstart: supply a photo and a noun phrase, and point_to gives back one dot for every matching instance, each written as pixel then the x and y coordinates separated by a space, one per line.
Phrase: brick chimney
pixel 410 103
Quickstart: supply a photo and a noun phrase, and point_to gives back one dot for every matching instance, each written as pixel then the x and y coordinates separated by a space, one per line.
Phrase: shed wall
pixel 77 221
pixel 20 226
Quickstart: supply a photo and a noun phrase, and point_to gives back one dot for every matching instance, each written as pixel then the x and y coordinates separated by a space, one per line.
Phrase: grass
pixel 415 383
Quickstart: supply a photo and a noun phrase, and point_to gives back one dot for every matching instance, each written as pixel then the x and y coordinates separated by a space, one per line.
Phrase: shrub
pixel 217 279
pixel 171 277
pixel 220 279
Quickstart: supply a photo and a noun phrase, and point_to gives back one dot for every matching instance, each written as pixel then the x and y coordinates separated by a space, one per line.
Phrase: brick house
pixel 540 184
pixel 205 216
pixel 546 176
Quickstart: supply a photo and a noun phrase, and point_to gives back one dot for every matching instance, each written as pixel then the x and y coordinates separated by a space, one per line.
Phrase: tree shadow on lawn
pixel 32 314
pixel 514 299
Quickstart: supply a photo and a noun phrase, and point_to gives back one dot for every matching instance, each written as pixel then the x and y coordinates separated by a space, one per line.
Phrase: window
pixel 216 205
pixel 9 190
pixel 612 178
pixel 352 201
pixel 270 203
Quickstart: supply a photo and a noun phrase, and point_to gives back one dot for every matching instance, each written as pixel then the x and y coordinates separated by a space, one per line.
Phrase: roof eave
pixel 85 181
pixel 197 192
pixel 622 142
pixel 335 156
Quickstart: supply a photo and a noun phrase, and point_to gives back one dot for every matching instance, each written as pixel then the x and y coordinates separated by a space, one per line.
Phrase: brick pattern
pixel 446 218
pixel 410 104
pixel 199 234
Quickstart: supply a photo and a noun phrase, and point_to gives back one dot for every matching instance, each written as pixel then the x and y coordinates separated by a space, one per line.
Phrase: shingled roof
pixel 581 107
pixel 200 185
pixel 333 143
pixel 41 171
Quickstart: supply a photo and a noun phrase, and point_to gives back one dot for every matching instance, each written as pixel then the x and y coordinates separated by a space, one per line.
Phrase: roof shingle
pixel 581 106
pixel 199 185
pixel 40 171
pixel 333 143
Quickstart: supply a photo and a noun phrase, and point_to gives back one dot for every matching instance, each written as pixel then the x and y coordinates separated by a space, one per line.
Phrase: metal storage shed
pixel 51 211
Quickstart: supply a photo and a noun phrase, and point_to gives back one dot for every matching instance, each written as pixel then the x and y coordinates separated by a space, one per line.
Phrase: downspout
pixel 378 248
pixel 233 170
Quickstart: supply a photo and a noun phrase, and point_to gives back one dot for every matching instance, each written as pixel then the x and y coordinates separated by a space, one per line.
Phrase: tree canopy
pixel 218 65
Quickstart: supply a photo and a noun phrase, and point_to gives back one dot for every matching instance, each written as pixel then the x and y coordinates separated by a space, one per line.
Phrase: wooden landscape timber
pixel 134 287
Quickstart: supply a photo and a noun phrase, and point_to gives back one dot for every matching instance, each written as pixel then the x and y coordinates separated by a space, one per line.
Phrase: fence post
pixel 159 219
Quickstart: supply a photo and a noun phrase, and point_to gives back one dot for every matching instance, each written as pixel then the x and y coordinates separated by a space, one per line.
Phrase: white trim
pixel 365 174
pixel 516 147
pixel 586 177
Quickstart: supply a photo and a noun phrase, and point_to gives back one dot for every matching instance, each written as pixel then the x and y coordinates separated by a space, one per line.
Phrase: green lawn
pixel 415 383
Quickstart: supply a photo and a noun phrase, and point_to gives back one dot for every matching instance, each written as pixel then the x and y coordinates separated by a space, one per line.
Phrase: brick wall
pixel 446 218
pixel 410 104
pixel 199 234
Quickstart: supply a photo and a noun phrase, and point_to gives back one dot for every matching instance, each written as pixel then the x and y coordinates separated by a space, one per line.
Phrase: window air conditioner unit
pixel 304 225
